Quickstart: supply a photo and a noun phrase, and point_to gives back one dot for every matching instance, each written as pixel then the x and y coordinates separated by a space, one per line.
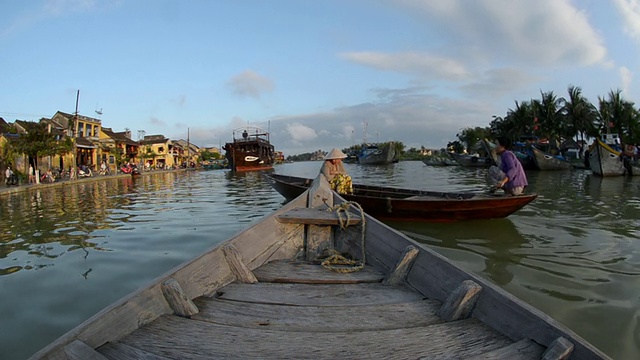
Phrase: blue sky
pixel 311 72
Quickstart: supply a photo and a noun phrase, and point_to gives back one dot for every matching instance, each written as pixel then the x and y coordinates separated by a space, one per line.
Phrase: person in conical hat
pixel 332 165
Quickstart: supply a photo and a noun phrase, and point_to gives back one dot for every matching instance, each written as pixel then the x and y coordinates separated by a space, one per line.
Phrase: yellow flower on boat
pixel 342 184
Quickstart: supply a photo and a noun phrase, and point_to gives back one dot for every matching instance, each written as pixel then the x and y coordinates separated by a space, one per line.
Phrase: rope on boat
pixel 337 262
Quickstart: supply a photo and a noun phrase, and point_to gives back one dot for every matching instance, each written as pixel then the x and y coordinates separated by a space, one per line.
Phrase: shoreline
pixel 9 190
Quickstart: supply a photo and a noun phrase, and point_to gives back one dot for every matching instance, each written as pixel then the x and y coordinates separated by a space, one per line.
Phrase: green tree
pixel 580 115
pixel 36 142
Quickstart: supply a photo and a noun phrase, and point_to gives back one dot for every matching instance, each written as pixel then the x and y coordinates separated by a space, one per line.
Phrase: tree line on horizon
pixel 557 118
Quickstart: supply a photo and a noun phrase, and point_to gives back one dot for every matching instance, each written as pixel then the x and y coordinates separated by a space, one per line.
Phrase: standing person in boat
pixel 510 176
pixel 333 169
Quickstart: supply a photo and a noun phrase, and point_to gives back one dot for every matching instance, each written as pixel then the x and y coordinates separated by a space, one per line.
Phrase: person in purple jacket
pixel 514 180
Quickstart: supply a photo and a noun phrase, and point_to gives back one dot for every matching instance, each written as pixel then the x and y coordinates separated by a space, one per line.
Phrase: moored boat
pixel 251 151
pixel 387 203
pixel 472 160
pixel 262 294
pixel 604 160
pixel 545 161
pixel 378 155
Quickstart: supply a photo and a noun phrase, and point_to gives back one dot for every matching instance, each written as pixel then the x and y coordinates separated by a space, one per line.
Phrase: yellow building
pixel 117 148
pixel 155 152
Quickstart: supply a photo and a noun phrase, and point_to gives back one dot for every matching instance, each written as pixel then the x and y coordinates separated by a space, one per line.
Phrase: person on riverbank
pixel 32 175
pixel 510 176
pixel 10 177
pixel 333 169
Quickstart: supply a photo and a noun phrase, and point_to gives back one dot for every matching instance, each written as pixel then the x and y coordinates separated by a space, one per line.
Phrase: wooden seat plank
pixel 181 338
pixel 315 216
pixel 120 351
pixel 318 294
pixel 306 273
pixel 524 349
pixel 318 318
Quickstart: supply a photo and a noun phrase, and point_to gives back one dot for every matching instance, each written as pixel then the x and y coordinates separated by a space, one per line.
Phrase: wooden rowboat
pixel 545 161
pixel 472 161
pixel 387 203
pixel 262 294
pixel 606 161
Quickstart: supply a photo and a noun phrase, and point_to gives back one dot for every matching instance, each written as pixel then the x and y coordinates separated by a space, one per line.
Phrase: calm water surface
pixel 67 252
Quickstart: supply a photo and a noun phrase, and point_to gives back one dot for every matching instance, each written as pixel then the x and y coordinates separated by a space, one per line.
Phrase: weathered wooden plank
pixel 559 349
pixel 305 273
pixel 318 318
pixel 177 299
pixel 237 266
pixel 320 193
pixel 524 349
pixel 173 337
pixel 318 239
pixel 400 271
pixel 120 351
pixel 461 301
pixel 77 350
pixel 316 216
pixel 434 275
pixel 318 295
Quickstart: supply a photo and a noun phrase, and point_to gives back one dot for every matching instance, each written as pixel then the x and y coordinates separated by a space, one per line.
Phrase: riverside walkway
pixel 14 189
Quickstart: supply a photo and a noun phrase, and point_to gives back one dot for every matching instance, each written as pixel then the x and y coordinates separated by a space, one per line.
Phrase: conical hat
pixel 335 154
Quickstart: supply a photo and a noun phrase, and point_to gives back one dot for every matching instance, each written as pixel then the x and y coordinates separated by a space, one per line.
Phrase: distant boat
pixel 472 160
pixel 378 155
pixel 439 161
pixel 215 164
pixel 251 151
pixel 279 159
pixel 545 161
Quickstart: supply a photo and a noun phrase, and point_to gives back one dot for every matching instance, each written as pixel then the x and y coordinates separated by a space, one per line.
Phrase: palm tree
pixel 619 116
pixel 580 115
pixel 549 113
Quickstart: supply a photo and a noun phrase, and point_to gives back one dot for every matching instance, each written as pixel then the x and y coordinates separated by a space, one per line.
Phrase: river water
pixel 67 252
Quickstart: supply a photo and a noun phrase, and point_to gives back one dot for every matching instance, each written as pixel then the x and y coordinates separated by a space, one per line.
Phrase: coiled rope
pixel 337 262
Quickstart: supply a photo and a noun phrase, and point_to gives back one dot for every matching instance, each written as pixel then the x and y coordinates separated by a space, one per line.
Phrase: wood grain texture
pixel 120 351
pixel 315 216
pixel 318 318
pixel 399 273
pixel 304 273
pixel 177 299
pixel 522 350
pixel 77 350
pixel 172 337
pixel 559 349
pixel 460 302
pixel 237 265
pixel 318 294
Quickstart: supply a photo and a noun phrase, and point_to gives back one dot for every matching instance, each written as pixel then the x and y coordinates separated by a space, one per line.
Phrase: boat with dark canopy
pixel 250 151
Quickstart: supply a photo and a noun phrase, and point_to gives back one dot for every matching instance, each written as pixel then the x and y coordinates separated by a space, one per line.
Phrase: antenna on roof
pixel 99 112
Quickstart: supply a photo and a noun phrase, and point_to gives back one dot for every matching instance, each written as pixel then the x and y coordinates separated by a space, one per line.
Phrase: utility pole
pixel 73 135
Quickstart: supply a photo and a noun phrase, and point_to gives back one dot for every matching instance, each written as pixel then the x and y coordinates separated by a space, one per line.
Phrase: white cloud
pixel 300 133
pixel 420 64
pixel 630 11
pixel 250 84
pixel 533 32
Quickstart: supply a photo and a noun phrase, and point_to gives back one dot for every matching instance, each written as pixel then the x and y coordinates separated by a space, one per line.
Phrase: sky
pixel 315 74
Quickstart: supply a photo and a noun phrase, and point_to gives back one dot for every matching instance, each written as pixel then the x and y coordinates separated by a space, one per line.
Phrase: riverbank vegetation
pixel 555 119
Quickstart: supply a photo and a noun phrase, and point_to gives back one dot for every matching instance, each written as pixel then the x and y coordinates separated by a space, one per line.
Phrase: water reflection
pixel 42 225
pixel 497 242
